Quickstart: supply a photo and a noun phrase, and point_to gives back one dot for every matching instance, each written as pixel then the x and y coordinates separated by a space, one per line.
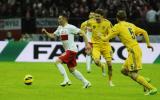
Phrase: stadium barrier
pixel 48 51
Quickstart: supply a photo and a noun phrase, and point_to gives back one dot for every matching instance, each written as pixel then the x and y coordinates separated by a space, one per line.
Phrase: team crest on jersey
pixel 94 27
pixel 103 27
pixel 64 36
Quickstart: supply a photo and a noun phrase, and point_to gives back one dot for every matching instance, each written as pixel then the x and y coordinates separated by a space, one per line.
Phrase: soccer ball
pixel 28 79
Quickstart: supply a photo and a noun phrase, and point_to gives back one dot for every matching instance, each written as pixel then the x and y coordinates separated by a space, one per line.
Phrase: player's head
pixel 99 14
pixel 63 18
pixel 121 15
pixel 91 15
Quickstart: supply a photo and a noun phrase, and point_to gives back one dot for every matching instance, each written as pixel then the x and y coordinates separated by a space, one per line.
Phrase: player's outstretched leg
pixel 110 73
pixel 88 63
pixel 79 76
pixel 141 80
pixel 62 70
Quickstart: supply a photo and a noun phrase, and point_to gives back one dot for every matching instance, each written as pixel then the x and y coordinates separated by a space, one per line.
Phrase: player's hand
pixel 88 51
pixel 88 46
pixel 44 30
pixel 150 47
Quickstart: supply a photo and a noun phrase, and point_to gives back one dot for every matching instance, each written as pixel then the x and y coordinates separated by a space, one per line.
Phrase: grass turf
pixel 47 78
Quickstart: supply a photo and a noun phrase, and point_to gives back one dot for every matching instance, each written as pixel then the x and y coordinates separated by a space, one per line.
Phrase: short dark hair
pixel 100 11
pixel 64 14
pixel 121 15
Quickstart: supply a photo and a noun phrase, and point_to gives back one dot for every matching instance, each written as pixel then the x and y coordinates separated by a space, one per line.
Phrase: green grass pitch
pixel 47 78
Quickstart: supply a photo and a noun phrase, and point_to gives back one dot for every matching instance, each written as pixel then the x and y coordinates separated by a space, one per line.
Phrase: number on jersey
pixel 132 33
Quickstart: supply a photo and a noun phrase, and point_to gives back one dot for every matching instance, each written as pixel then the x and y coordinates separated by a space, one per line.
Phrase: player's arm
pixel 83 26
pixel 113 32
pixel 139 31
pixel 82 33
pixel 51 35
pixel 76 30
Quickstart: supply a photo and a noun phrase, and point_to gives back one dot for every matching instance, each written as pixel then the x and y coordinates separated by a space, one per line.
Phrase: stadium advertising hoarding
pixel 48 52
pixel 46 22
pixel 10 24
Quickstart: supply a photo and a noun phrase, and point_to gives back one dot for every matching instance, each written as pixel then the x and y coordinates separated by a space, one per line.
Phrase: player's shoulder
pixel 59 27
pixel 85 22
pixel 70 26
pixel 90 21
pixel 107 22
pixel 129 23
pixel 116 25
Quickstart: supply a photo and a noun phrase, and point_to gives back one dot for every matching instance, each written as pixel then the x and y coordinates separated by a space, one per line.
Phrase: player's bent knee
pixel 133 75
pixel 124 72
pixel 97 61
pixel 109 63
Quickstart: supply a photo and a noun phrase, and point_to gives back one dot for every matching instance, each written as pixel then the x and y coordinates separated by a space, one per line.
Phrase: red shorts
pixel 69 58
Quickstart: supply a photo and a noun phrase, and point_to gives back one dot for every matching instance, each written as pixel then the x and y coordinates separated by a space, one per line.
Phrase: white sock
pixel 79 76
pixel 88 62
pixel 62 71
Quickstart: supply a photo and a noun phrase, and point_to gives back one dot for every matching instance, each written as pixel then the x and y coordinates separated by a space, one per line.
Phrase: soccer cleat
pixel 151 92
pixel 111 84
pixel 103 70
pixel 87 85
pixel 63 84
pixel 88 71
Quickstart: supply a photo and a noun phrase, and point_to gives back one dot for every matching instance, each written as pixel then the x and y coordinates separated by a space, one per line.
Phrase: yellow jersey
pixel 86 27
pixel 86 24
pixel 100 29
pixel 127 33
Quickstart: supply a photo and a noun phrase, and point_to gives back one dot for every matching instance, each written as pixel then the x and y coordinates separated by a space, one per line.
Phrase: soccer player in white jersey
pixel 66 33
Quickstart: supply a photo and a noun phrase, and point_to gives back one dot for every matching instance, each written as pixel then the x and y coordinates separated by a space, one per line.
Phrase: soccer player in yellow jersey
pixel 85 26
pixel 100 27
pixel 127 33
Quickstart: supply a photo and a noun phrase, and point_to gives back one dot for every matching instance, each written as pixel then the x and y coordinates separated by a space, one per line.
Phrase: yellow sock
pixel 142 81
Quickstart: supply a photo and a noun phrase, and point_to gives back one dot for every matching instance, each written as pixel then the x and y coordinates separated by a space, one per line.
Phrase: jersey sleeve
pixel 139 31
pixel 113 32
pixel 83 26
pixel 109 27
pixel 74 30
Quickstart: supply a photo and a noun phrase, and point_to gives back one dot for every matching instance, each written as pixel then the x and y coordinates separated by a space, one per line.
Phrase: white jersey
pixel 66 34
